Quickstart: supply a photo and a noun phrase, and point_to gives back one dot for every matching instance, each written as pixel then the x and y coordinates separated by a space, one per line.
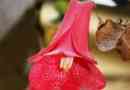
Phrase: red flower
pixel 70 41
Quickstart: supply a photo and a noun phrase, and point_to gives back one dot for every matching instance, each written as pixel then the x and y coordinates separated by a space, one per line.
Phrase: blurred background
pixel 28 25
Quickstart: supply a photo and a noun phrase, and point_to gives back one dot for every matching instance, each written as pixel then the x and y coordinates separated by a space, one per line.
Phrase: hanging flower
pixel 67 63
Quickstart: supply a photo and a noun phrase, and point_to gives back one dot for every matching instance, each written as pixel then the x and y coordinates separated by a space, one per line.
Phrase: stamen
pixel 66 63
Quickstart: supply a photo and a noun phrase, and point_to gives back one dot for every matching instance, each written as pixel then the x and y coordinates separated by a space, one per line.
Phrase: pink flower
pixel 70 41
